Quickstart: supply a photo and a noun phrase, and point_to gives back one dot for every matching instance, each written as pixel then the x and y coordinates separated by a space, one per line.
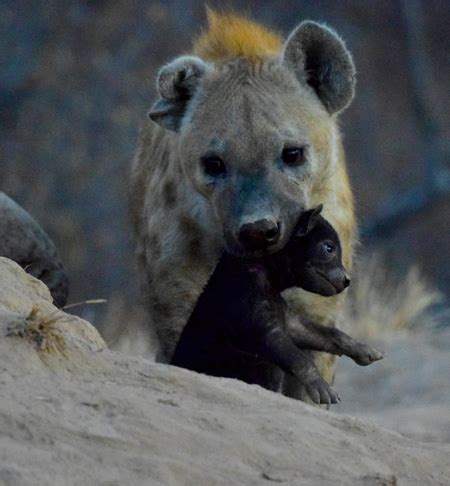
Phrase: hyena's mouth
pixel 235 248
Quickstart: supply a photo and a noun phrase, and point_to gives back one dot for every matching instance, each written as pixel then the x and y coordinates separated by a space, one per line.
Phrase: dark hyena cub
pixel 238 328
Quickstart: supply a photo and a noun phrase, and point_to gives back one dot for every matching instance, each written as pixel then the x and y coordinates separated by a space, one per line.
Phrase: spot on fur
pixel 195 248
pixel 169 193
pixel 230 36
pixel 161 308
pixel 193 237
pixel 154 244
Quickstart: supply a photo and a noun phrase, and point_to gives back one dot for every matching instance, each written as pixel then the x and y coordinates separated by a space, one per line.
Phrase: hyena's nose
pixel 260 234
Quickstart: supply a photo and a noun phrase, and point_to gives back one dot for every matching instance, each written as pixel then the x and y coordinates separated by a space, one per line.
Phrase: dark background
pixel 77 78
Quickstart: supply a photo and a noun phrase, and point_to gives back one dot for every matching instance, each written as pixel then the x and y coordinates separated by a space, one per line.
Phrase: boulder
pixel 24 241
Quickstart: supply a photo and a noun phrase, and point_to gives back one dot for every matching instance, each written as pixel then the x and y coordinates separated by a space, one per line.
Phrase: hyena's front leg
pixel 311 335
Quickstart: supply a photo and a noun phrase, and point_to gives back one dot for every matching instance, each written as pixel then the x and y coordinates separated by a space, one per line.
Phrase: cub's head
pixel 316 255
pixel 257 131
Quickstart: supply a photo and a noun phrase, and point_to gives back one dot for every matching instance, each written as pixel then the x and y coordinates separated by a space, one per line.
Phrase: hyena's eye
pixel 293 156
pixel 328 249
pixel 213 166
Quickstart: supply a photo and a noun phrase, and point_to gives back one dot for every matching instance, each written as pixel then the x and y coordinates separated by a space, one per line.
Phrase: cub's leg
pixel 311 335
pixel 268 333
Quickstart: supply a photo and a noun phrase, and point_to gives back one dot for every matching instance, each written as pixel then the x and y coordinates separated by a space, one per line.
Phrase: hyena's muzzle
pixel 257 217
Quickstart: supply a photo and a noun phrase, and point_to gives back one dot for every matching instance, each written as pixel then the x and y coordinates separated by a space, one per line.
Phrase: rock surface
pixel 93 416
pixel 24 241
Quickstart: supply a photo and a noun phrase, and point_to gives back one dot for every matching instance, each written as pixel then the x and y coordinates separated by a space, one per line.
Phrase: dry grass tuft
pixel 42 331
pixel 380 303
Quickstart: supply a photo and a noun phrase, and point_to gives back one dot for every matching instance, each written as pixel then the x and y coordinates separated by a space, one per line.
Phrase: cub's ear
pixel 318 56
pixel 308 220
pixel 176 84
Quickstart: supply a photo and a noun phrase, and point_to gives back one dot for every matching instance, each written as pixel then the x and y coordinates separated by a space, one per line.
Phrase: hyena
pixel 243 138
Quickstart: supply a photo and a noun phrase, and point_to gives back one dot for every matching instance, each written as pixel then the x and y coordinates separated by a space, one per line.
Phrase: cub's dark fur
pixel 238 328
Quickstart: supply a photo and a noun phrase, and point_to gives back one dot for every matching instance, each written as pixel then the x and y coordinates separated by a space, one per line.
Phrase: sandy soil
pixel 408 391
pixel 88 415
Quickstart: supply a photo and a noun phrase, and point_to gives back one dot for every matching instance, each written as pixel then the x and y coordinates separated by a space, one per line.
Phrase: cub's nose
pixel 346 281
pixel 260 234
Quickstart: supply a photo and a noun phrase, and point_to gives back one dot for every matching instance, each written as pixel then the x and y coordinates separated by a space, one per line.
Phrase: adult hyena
pixel 243 138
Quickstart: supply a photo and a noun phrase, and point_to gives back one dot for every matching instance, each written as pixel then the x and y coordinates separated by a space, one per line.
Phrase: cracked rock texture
pixel 93 416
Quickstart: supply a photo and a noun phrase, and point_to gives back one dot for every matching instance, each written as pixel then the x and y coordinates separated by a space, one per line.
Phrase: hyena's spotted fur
pixel 243 101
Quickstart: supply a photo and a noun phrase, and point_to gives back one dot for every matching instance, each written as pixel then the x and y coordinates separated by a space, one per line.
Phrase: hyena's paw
pixel 365 355
pixel 320 392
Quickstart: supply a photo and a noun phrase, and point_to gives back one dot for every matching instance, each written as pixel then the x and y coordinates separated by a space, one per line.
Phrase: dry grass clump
pixel 381 303
pixel 41 330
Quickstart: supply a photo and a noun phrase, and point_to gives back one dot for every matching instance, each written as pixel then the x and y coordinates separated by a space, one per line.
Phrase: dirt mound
pixel 78 413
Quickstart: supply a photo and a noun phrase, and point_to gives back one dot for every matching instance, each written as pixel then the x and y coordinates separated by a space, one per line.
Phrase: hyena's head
pixel 258 134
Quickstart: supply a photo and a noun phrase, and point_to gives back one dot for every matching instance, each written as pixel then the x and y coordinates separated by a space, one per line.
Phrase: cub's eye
pixel 329 248
pixel 213 166
pixel 294 156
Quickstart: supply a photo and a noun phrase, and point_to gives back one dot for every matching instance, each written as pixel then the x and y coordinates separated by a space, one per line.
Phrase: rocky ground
pixel 73 412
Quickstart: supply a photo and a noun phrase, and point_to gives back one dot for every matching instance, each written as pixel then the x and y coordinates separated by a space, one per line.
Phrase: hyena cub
pixel 239 327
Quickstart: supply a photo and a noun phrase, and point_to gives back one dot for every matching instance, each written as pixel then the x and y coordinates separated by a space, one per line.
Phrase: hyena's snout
pixel 259 235
pixel 256 215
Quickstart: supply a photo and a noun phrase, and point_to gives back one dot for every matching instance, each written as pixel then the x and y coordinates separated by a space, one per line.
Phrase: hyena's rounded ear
pixel 318 56
pixel 176 84
pixel 308 220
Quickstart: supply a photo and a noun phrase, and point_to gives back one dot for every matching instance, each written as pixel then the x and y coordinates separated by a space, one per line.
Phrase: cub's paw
pixel 320 392
pixel 365 355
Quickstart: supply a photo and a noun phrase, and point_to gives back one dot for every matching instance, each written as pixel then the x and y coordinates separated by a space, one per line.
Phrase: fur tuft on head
pixel 230 36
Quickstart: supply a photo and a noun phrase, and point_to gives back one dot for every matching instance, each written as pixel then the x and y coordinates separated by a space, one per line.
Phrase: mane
pixel 229 36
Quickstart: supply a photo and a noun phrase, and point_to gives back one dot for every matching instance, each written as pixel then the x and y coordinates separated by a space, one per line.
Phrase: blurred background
pixel 77 78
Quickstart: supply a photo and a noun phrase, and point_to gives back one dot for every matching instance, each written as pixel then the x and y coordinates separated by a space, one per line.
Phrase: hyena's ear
pixel 308 220
pixel 318 56
pixel 176 84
